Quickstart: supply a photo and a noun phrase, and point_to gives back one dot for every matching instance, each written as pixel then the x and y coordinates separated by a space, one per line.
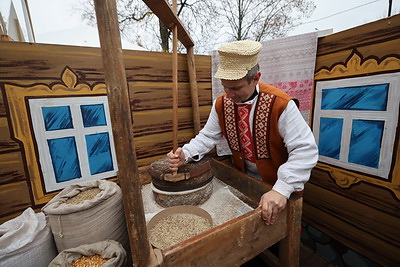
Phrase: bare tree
pixel 140 26
pixel 208 21
pixel 259 19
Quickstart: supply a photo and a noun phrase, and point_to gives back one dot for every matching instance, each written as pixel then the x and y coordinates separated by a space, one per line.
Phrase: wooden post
pixel 193 89
pixel 118 99
pixel 289 247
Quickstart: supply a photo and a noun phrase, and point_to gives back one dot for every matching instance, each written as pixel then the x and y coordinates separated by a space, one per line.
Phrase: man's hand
pixel 176 159
pixel 271 204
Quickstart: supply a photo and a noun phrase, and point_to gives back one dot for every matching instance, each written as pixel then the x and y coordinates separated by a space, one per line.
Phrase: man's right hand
pixel 176 159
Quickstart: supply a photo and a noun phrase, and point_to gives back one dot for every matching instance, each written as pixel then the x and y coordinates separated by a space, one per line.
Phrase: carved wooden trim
pixel 356 65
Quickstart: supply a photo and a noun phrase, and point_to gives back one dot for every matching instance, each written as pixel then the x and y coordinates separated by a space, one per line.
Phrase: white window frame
pixel 390 117
pixel 79 132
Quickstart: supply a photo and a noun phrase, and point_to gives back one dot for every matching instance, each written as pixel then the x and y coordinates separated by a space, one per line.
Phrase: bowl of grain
pixel 176 224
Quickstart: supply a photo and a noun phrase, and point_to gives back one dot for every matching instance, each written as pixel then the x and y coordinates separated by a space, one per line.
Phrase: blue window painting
pixel 93 115
pixel 365 142
pixel 330 136
pixel 57 118
pixel 365 97
pixel 64 156
pixel 99 152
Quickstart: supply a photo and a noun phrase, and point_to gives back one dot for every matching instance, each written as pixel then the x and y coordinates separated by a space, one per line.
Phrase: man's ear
pixel 257 77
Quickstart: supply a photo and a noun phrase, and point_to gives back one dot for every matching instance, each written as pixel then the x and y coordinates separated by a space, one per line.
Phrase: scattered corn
pixel 89 261
pixel 177 227
pixel 88 194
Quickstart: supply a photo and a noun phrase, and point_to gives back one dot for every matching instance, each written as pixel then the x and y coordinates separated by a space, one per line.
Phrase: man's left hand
pixel 271 204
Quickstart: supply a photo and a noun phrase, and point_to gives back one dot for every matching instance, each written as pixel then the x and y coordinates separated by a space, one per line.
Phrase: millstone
pixel 192 191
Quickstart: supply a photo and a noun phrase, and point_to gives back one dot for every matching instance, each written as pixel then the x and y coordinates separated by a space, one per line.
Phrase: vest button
pixel 240 157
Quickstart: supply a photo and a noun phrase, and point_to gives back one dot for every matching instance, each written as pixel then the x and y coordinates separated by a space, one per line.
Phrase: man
pixel 267 135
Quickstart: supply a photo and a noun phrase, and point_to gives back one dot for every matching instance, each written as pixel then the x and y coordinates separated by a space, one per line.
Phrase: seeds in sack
pixel 89 261
pixel 84 195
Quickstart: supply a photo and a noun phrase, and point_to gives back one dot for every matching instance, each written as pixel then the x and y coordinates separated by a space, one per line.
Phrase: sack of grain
pixel 26 241
pixel 85 213
pixel 108 253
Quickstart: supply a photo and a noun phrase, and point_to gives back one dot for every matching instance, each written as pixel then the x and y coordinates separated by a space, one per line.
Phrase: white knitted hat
pixel 237 58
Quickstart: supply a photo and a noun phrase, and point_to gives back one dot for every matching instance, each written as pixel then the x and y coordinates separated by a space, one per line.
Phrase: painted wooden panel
pixel 357 208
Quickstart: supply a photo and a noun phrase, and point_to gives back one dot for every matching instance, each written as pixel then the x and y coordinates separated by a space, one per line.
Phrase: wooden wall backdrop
pixel 364 216
pixel 149 78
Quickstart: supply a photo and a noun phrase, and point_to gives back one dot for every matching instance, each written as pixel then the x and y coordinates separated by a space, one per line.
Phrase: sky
pixel 56 22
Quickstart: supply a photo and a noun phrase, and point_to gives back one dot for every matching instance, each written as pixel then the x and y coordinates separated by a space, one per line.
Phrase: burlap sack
pixel 26 241
pixel 101 218
pixel 108 249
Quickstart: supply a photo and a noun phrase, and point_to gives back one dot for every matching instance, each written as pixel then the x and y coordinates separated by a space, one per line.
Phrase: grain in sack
pixel 108 253
pixel 87 212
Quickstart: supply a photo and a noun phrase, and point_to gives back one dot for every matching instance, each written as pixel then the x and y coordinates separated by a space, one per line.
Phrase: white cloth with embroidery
pixel 287 63
pixel 296 134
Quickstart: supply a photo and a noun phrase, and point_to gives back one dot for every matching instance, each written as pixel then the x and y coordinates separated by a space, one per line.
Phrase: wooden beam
pixel 193 89
pixel 120 112
pixel 164 12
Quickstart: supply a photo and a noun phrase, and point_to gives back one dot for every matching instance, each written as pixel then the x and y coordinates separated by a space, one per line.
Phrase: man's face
pixel 240 90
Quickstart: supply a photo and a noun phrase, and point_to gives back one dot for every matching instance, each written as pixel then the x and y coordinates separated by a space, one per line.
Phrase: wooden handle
pixel 174 82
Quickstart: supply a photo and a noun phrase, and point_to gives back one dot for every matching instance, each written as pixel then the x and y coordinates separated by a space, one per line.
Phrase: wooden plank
pixel 159 144
pixel 242 239
pixel 22 61
pixel 159 121
pixel 142 95
pixel 11 168
pixel 363 193
pixel 2 107
pixel 371 33
pixel 118 99
pixel 193 89
pixel 361 242
pixel 365 218
pixel 6 143
pixel 14 197
pixel 164 12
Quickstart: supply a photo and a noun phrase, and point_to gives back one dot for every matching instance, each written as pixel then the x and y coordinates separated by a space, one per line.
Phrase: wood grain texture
pixel 11 168
pixel 7 145
pixel 376 32
pixel 14 197
pixel 360 241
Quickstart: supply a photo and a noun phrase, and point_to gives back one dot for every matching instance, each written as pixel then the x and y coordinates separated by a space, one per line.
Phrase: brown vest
pixel 270 151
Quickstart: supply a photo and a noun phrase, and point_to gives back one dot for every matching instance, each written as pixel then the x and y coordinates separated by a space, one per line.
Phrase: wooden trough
pixel 239 240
